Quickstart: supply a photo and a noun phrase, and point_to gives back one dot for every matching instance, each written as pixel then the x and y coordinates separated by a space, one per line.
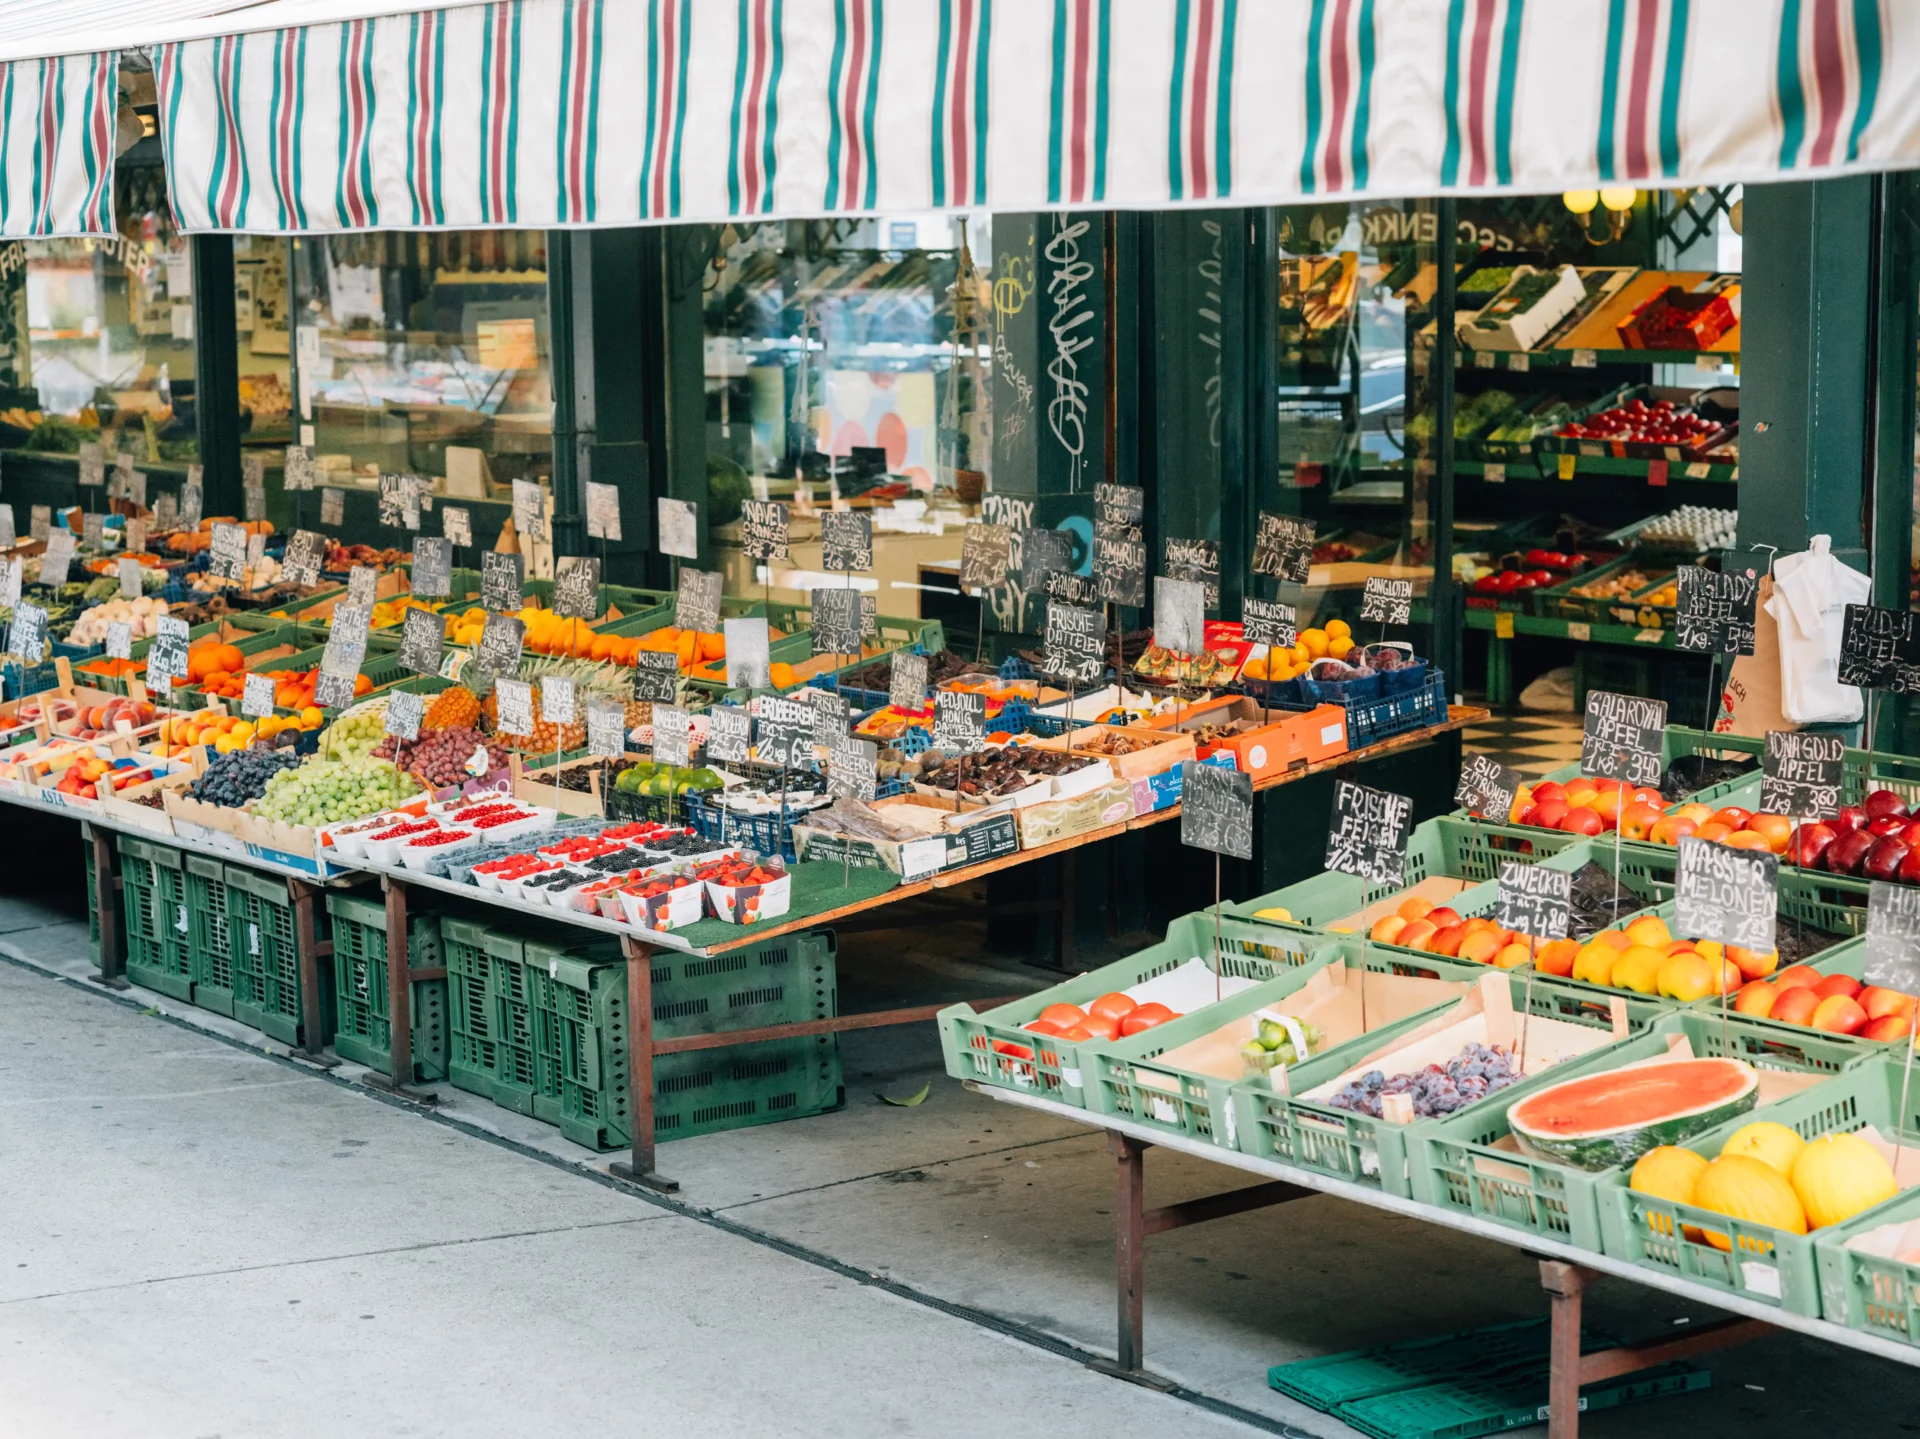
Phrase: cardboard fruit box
pixel 1133 751
pixel 1262 742
pixel 951 838
pixel 1053 820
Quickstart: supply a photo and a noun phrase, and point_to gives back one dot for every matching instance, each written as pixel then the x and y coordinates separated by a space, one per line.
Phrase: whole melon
pixel 1766 1141
pixel 1742 1187
pixel 1838 1175
pixel 1669 1173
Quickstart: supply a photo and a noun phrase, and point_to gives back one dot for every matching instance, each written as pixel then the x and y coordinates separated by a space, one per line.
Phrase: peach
pixel 1732 816
pixel 1446 940
pixel 1844 985
pixel 1798 974
pixel 1512 957
pixel 1675 946
pixel 1649 930
pixel 1698 813
pixel 1730 977
pixel 1795 1005
pixel 1775 829
pixel 1887 1028
pixel 1840 1014
pixel 1479 947
pixel 1606 804
pixel 1548 813
pixel 1556 956
pixel 1386 930
pixel 1712 830
pixel 1671 830
pixel 1414 907
pixel 1549 789
pixel 1477 922
pixel 1881 1003
pixel 1638 821
pixel 1581 796
pixel 1754 966
pixel 1756 998
pixel 1417 933
pixel 1442 916
pixel 1746 839
pixel 1615 939
pixel 1582 821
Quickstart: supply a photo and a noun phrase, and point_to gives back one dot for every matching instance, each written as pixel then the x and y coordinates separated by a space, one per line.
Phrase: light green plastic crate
pixel 363 1026
pixel 208 934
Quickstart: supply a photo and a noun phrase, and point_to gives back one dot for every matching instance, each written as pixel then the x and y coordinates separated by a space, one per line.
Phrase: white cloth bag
pixel 1811 593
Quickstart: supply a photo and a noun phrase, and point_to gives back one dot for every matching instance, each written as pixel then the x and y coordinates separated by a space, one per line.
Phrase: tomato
pixel 1145 1016
pixel 1100 1026
pixel 1064 1015
pixel 1113 1005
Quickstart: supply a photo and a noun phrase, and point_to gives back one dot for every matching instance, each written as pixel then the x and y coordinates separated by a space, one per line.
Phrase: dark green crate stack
pixel 266 957
pixel 539 1024
pixel 153 893
pixel 207 939
pixel 93 897
pixel 363 1028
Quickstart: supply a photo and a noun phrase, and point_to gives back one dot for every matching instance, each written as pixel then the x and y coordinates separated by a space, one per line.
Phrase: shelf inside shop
pixel 1708 362
pixel 1595 466
pixel 1579 631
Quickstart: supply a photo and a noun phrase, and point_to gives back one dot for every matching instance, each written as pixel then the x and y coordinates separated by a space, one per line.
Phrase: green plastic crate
pixel 266 957
pixel 1123 1079
pixel 1364 1150
pixel 1875 1295
pixel 1446 848
pixel 1766 1265
pixel 1459 1163
pixel 93 894
pixel 363 1027
pixel 211 951
pixel 1677 742
pixel 474 1039
pixel 992 1048
pixel 153 893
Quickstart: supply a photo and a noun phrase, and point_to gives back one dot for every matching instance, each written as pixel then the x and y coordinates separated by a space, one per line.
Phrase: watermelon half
pixel 1600 1120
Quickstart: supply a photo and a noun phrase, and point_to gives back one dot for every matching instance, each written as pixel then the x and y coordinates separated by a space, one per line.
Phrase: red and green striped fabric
pixel 617 112
pixel 57 145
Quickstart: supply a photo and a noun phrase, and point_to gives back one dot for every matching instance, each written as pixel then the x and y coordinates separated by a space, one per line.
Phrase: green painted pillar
pixel 1805 320
pixel 216 381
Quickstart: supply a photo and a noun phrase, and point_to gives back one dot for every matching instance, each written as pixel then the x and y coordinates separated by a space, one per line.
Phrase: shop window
pixel 96 336
pixel 421 353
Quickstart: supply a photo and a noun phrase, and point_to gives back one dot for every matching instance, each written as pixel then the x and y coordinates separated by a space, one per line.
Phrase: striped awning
pixel 57 146
pixel 614 112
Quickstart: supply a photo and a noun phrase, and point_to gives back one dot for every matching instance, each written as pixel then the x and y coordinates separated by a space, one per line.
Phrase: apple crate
pixel 992 1048
pixel 1121 1073
pixel 207 934
pixel 1460 1163
pixel 363 1026
pixel 1443 848
pixel 1763 1264
pixel 1679 742
pixel 1363 1150
pixel 153 893
pixel 1849 958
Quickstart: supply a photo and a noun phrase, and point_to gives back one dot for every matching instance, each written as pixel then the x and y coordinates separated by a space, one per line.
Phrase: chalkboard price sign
pixel 297 472
pixel 749 657
pixel 93 531
pixel 1043 554
pixel 500 642
pixel 1713 612
pixel 120 644
pixel 346 641
pixel 1074 589
pixel 422 635
pixel 456 523
pixel 679 525
pixel 306 553
pixel 1880 649
pixel 1367 835
pixel 1726 895
pixel 606 728
pixel 1270 623
pixel 907 680
pixel 395 494
pixel 227 552
pixel 1534 900
pixel 786 733
pixel 846 541
pixel 10 580
pixel 93 464
pixel 166 513
pixel 529 510
pixel 405 710
pixel 7 536
pixel 1074 647
pixel 333 692
pixel 672 735
pixel 1120 562
pixel 1198 561
pixel 137 488
pixel 959 722
pixel 333 506
pixel 576 587
pixel 836 622
pixel 193 499
pixel 130 574
pixel 829 714
pixel 513 701
pixel 56 558
pixel 432 576
pixel 253 501
pixel 28 637
pixel 603 511
pixel 256 696
pixel 362 580
pixel 167 655
pixel 984 556
pixel 1621 738
pixel 655 674
pixel 500 577
pixel 1387 602
pixel 1216 809
pixel 1119 504
pixel 697 605
pixel 556 699
pixel 764 529
pixel 1487 787
pixel 1801 774
pixel 729 734
pixel 1283 547
pixel 1893 937
pixel 852 767
pixel 1179 620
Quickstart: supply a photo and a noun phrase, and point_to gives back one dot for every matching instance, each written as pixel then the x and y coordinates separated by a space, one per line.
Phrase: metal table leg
pixel 400 976
pixel 640 1053
pixel 310 952
pixel 106 898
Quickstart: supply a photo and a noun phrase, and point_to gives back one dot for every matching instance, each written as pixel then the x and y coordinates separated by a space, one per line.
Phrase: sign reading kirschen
pixel 1387 602
pixel 697 606
pixel 907 680
pixel 1893 937
pixel 1726 895
pixel 749 661
pixel 672 736
pixel 655 675
pixel 1270 623
pixel 679 527
pixel 1179 615
pixel 852 767
pixel 1535 900
pixel 405 710
pixel 1367 834
pixel 1801 774
pixel 1216 809
pixel 1487 787
pixel 729 734
pixel 1621 738
pixel 959 721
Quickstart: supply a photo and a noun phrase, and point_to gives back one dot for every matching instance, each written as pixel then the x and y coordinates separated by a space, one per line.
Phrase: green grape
pixel 329 791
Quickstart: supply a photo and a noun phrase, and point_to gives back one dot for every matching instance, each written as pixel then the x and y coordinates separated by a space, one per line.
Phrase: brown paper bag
pixel 1750 702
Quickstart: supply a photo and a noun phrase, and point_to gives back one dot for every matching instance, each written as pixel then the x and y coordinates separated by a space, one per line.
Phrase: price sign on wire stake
pixel 672 736
pixel 1880 649
pixel 432 576
pixel 1120 562
pixel 606 728
pixel 959 722
pixel 93 464
pixel 1714 612
pixel 513 705
pixel 829 714
pixel 1197 561
pixel 846 541
pixel 786 733
pixel 984 556
pixel 1179 615
pixel 853 767
pixel 1487 787
pixel 836 621
pixel 1728 895
pixel 1269 623
pixel 1283 547
pixel 346 641
pixel 306 553
pixel 422 637
pixel 764 529
pixel 395 493
pixel 333 692
pixel 1216 809
pixel 57 556
pixel 1387 602
pixel 529 511
pixel 333 507
pixel 362 581
pixel 132 577
pixel 907 680
pixel 1367 834
pixel 10 580
pixel 1801 774
pixel 227 552
pixel 256 697
pixel 679 526
pixel 1043 554
pixel 749 657
pixel 40 522
pixel 500 582
pixel 1119 504
pixel 167 655
pixel 297 472
pixel 1535 900
pixel 1622 738
pixel 1893 937
pixel 28 637
pixel 729 734
pixel 456 523
pixel 603 511
pixel 500 643
pixel 93 531
pixel 656 673
pixel 1074 589
pixel 405 710
pixel 697 605
pixel 120 642
pixel 576 588
pixel 556 699
pixel 1074 646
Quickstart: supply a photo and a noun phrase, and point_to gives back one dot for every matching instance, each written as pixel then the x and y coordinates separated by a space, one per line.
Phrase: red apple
pixel 1883 802
pixel 1839 1015
pixel 1888 824
pixel 1888 1027
pixel 1911 834
pixel 1851 816
pixel 1847 853
pixel 1885 858
pixel 1910 866
pixel 1841 984
pixel 1582 821
pixel 1808 844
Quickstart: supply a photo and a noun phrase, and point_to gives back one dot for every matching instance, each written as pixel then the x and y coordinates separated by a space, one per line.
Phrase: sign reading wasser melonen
pixel 1726 895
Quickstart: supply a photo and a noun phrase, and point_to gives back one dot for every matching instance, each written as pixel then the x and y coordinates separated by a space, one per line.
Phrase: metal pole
pixel 1129 1248
pixel 639 1167
pixel 399 988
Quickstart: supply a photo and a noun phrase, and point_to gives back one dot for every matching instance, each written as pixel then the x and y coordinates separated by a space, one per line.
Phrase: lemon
pixel 1338 646
pixel 1316 642
pixel 1339 628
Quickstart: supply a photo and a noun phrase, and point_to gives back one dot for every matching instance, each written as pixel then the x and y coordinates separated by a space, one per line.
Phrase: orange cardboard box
pixel 1263 742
